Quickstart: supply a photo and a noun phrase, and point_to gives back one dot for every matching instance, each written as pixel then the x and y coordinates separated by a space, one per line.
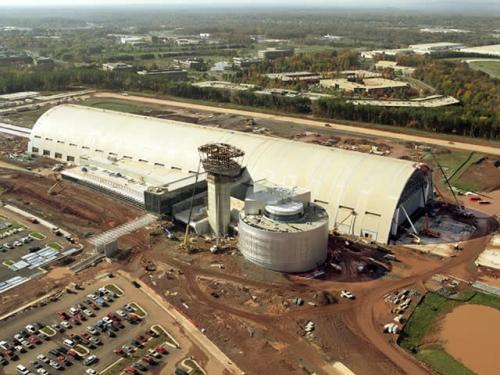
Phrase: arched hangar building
pixel 363 194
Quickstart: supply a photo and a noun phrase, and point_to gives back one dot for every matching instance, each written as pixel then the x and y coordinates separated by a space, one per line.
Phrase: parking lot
pixel 109 328
pixel 24 248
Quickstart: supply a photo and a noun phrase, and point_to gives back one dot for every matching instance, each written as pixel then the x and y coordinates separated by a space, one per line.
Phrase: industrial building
pixel 275 53
pixel 167 74
pixel 111 67
pixel 368 85
pixel 431 48
pixel 154 163
pixel 288 77
pixel 282 230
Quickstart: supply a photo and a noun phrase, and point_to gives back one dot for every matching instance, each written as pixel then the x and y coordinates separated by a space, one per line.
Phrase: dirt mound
pixel 485 173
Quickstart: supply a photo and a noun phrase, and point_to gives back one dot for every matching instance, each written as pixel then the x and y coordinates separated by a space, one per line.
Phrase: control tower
pixel 222 162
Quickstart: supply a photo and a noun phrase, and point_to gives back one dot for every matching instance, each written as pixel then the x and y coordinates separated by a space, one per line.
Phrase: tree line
pixel 449 120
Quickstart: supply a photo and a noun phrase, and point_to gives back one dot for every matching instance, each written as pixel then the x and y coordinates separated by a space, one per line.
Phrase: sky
pixel 342 3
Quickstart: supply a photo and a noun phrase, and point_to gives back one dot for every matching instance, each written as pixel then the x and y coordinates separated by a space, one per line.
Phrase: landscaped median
pixel 192 367
pixel 37 236
pixel 49 331
pixel 8 262
pixel 113 288
pixel 170 341
pixel 56 246
pixel 141 313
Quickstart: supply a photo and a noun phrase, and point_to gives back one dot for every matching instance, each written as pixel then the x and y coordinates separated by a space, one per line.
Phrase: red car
pixel 152 333
pixel 93 306
pixel 142 339
pixel 130 370
pixel 85 335
pixel 148 360
pixel 120 351
pixel 73 354
pixel 34 340
pixel 11 354
pixel 64 315
pixel 116 318
pixel 160 349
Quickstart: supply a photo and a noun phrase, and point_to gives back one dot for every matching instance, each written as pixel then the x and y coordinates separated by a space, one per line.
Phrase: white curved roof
pixel 336 178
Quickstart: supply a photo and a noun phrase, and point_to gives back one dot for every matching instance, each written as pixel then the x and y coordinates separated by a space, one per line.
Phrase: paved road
pixel 304 121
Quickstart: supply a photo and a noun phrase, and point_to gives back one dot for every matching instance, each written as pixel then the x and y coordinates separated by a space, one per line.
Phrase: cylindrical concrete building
pixel 286 237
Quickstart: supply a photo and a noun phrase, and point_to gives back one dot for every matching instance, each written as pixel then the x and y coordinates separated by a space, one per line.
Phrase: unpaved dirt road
pixel 493 150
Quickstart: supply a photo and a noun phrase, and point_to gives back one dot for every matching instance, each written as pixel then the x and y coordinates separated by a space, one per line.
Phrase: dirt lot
pixel 470 334
pixel 79 209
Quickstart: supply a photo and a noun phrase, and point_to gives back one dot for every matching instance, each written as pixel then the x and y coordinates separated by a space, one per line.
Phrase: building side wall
pixel 283 251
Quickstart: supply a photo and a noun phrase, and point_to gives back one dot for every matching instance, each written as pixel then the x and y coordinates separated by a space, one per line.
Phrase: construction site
pixel 288 247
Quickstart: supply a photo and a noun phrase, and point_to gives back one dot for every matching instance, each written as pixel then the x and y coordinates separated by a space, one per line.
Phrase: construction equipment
pixel 148 264
pixel 185 243
pixel 427 231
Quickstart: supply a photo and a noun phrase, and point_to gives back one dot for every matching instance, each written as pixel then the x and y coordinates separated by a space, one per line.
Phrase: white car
pixel 88 312
pixel 42 358
pixel 107 320
pixel 73 310
pixel 92 330
pixel 42 371
pixel 69 343
pixel 4 345
pixel 22 370
pixel 346 294
pixel 121 313
pixel 91 372
pixel 65 324
pixel 31 328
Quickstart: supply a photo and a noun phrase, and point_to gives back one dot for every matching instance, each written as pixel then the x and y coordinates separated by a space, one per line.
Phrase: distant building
pixel 288 77
pixel 111 67
pixel 404 70
pixel 224 85
pixel 245 62
pixel 170 74
pixel 331 38
pixel 384 52
pixel 275 53
pixel 359 73
pixel 205 35
pixel 431 48
pixel 187 41
pixel 134 40
pixel 367 85
pixel 195 63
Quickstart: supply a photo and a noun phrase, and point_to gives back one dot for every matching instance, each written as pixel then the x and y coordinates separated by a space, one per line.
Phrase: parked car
pixel 91 359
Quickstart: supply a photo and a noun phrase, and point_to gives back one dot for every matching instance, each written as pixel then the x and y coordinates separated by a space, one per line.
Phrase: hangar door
pixel 370 225
pixel 345 219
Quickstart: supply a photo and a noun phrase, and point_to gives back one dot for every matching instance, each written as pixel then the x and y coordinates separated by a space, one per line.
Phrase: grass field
pixel 454 164
pixel 423 321
pixel 490 67
pixel 37 235
pixel 55 246
pixel 441 362
pixel 114 289
pixel 115 105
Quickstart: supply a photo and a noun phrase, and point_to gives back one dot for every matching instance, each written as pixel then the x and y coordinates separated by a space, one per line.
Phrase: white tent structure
pixel 363 194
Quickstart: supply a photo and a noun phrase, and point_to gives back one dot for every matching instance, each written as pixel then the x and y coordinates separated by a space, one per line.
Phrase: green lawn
pixel 116 105
pixel 441 362
pixel 37 236
pixel 489 67
pixel 8 262
pixel 423 321
pixel 55 246
pixel 49 331
pixel 454 164
pixel 114 289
